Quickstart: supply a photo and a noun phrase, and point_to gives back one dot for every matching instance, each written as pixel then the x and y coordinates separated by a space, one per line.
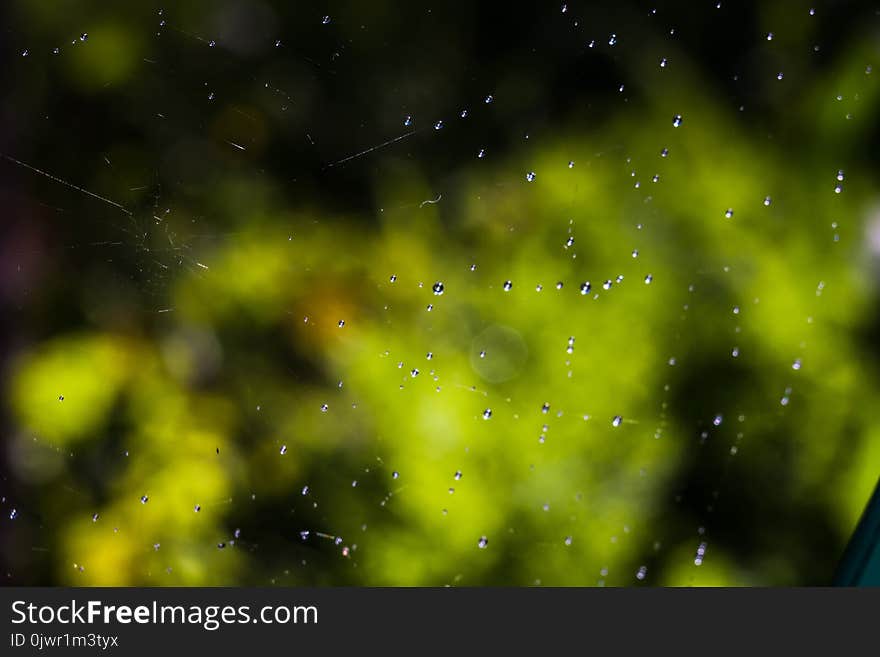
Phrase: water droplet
pixel 663 63
pixel 212 43
pixel 701 551
pixel 612 40
pixel 340 323
pixel 438 288
pixel 305 490
pixel 648 279
pixel 569 241
pixel 483 542
pixel 779 75
pixel 283 450
pixel 642 572
pixel 567 540
pixel 95 517
pixel 25 52
pixel 438 125
pixel 325 20
pixel 393 278
pixel 278 43
pixel 507 285
pixel 796 365
pixel 395 474
pixel 197 508
pixel 457 475
pixel 324 408
pixel 676 120
pixel 408 120
pixel 545 408
pixel 769 36
pixel 729 213
pixel 717 420
pixel 414 372
pixel 571 164
pixel 559 285
pixel 304 534
pixel 767 200
pixel 144 499
pixel 83 36
pixel 586 286
pixel 482 153
pixel 56 51
pixel 616 422
pixel 211 96
pixel 530 176
pixel 13 514
pixel 488 99
pixel 487 413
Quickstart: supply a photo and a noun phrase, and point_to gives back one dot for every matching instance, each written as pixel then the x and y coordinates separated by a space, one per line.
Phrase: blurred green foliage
pixel 744 369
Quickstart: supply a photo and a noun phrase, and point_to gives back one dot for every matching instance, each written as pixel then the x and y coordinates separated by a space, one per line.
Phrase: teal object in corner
pixel 860 565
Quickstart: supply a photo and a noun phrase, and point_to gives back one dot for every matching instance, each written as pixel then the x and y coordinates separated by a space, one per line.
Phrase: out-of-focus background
pixel 398 294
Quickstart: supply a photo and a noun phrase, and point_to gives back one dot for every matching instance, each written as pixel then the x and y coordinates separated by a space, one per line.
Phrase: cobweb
pixel 436 296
